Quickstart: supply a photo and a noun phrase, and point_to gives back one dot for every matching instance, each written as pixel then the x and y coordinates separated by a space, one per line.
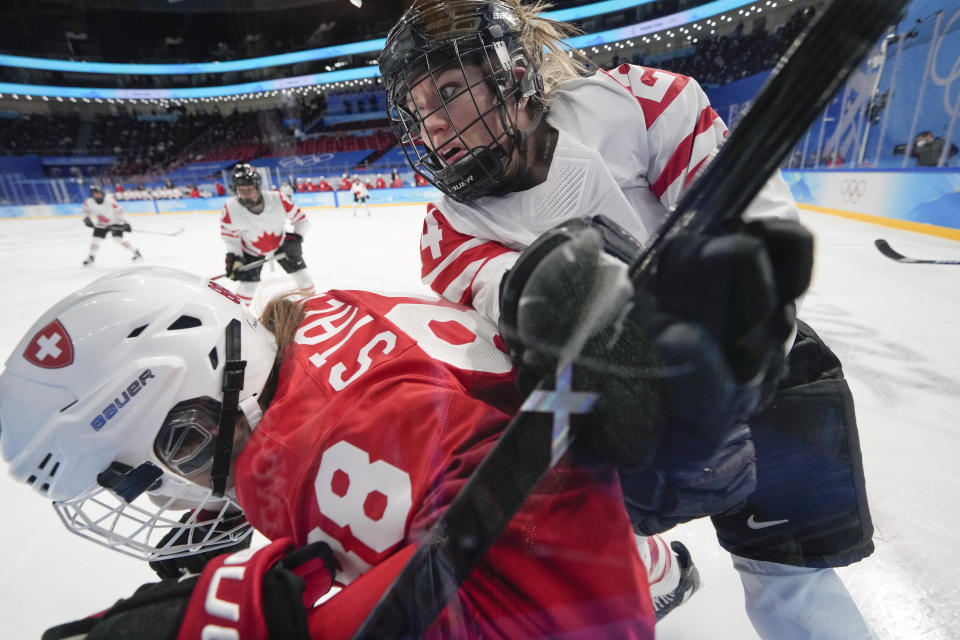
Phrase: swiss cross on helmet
pixel 435 63
pixel 116 405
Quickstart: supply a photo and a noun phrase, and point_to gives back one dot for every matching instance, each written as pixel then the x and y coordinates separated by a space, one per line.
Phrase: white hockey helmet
pixel 116 393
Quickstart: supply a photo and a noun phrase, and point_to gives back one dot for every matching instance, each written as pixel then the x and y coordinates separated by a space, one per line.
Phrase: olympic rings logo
pixel 852 190
pixel 305 161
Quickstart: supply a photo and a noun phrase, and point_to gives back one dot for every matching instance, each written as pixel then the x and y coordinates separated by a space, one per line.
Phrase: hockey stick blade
pixel 800 86
pixel 884 247
pixel 253 265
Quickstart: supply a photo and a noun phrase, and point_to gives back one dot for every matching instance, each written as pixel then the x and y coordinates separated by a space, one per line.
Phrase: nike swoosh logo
pixel 753 524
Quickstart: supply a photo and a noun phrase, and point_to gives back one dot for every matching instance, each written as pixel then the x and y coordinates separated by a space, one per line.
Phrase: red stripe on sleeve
pixel 484 252
pixel 653 89
pixel 680 159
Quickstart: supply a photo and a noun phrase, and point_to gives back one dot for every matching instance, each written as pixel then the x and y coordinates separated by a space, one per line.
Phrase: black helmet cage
pixel 244 174
pixel 451 35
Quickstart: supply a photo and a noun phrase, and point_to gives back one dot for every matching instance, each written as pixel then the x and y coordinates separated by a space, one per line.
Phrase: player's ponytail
pixel 543 38
pixel 282 316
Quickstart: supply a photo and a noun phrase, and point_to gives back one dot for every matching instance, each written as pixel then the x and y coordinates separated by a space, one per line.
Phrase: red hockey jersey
pixel 384 408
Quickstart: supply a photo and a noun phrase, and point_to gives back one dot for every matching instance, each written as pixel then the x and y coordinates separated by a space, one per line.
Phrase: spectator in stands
pixel 381 183
pixel 927 149
pixel 833 159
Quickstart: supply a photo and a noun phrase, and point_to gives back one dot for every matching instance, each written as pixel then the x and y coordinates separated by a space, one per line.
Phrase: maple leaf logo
pixel 266 242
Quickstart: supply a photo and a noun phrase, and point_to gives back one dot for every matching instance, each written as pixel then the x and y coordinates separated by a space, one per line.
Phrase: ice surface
pixel 893 325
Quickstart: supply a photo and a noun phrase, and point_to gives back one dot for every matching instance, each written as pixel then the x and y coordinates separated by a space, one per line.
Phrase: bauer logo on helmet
pixel 121 400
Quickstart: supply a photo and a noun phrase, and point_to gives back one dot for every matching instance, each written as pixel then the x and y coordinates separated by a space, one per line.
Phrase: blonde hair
pixel 282 315
pixel 543 38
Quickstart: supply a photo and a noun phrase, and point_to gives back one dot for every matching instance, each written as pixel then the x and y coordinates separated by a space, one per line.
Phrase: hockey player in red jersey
pixel 104 215
pixel 492 109
pixel 256 224
pixel 352 426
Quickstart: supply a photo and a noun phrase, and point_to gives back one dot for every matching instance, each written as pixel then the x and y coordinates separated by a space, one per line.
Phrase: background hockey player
pixel 257 224
pixel 104 215
pixel 519 140
pixel 360 196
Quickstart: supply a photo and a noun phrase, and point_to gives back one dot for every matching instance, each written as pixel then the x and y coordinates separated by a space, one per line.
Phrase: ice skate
pixel 137 255
pixel 88 261
pixel 689 582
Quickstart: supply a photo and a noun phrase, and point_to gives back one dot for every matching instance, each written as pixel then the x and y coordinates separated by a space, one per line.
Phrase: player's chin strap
pixel 233 370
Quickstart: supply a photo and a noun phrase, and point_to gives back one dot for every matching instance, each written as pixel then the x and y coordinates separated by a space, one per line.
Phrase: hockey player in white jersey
pixel 104 215
pixel 492 109
pixel 257 224
pixel 360 196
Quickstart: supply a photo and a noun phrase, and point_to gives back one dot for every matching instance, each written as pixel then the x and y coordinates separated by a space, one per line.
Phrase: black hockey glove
pixel 292 246
pixel 741 287
pixel 191 565
pixel 250 595
pixel 232 263
pixel 87 221
pixel 677 382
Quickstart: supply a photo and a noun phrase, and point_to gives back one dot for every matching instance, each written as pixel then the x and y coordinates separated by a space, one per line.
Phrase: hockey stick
pixel 801 84
pixel 884 247
pixel 159 233
pixel 253 265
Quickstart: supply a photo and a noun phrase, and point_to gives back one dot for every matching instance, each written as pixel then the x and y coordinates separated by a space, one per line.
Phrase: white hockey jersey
pixel 262 233
pixel 104 214
pixel 630 141
pixel 360 190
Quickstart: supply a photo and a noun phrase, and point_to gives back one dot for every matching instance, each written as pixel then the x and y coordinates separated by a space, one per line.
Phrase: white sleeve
pixel 229 232
pixel 295 216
